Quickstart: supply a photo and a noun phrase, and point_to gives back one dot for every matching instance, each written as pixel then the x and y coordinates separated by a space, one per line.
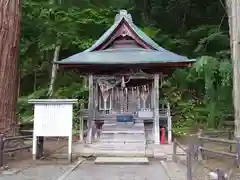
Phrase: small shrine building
pixel 125 68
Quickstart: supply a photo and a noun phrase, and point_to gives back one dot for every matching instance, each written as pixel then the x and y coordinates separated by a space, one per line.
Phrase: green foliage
pixel 200 95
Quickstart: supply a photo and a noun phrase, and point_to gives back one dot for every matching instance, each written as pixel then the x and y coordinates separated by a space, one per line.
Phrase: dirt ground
pixel 217 161
pixel 23 159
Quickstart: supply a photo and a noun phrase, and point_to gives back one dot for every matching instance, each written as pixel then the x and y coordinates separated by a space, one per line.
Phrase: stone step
pixel 115 126
pixel 120 141
pixel 112 123
pixel 126 136
pixel 123 123
pixel 127 129
pixel 121 160
pixel 123 141
pixel 122 144
pixel 120 153
pixel 129 151
pixel 120 148
pixel 123 129
pixel 123 137
pixel 123 132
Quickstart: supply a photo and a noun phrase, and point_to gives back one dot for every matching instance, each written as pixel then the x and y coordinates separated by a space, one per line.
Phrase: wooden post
pixel 85 81
pixel 174 156
pixel 152 107
pixel 81 128
pixel 200 155
pixel 220 175
pixel 34 148
pixel 230 138
pixel 238 153
pixel 1 149
pixel 90 108
pixel 95 100
pixel 39 152
pixel 189 162
pixel 169 124
pixel 70 149
pixel 152 96
pixel 156 109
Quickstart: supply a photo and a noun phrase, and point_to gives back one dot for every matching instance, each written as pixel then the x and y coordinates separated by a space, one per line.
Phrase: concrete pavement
pixel 90 171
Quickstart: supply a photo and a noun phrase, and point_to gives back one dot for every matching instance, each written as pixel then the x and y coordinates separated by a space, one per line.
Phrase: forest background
pixel 199 96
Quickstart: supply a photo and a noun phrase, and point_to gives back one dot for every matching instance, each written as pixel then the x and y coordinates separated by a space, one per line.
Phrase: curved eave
pixel 163 64
pixel 151 68
pixel 124 56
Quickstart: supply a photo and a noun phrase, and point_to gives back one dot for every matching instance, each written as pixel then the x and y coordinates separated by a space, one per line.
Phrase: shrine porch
pixel 165 121
pixel 160 151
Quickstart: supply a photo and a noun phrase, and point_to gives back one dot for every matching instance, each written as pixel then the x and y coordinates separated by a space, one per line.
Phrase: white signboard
pixel 53 118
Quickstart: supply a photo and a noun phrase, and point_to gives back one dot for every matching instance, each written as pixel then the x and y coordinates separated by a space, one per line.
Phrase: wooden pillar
pixel 90 108
pixel 96 97
pixel 81 128
pixel 152 106
pixel 152 96
pixel 156 109
pixel 85 81
pixel 169 124
pixel 95 108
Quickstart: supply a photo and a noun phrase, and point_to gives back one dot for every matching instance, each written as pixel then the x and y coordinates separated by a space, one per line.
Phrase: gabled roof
pixel 96 55
pixel 124 16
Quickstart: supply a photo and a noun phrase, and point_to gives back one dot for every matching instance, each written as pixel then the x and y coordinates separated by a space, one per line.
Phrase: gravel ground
pixel 89 171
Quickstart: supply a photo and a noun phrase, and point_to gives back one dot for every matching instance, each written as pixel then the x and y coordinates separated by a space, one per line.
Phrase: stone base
pixel 121 160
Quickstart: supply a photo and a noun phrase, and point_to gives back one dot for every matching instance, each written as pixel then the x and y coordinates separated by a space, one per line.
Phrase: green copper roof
pixel 124 56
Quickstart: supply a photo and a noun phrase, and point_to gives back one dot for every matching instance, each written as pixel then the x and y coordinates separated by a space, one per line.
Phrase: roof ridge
pixel 123 14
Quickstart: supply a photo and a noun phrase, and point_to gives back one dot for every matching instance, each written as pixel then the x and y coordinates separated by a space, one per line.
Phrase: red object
pixel 162 136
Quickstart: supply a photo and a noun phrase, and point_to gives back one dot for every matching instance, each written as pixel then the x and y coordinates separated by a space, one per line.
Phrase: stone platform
pixel 160 151
pixel 121 160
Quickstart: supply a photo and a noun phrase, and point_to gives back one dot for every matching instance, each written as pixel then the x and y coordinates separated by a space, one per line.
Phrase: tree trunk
pixel 229 13
pixel 54 70
pixel 10 15
pixel 235 37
